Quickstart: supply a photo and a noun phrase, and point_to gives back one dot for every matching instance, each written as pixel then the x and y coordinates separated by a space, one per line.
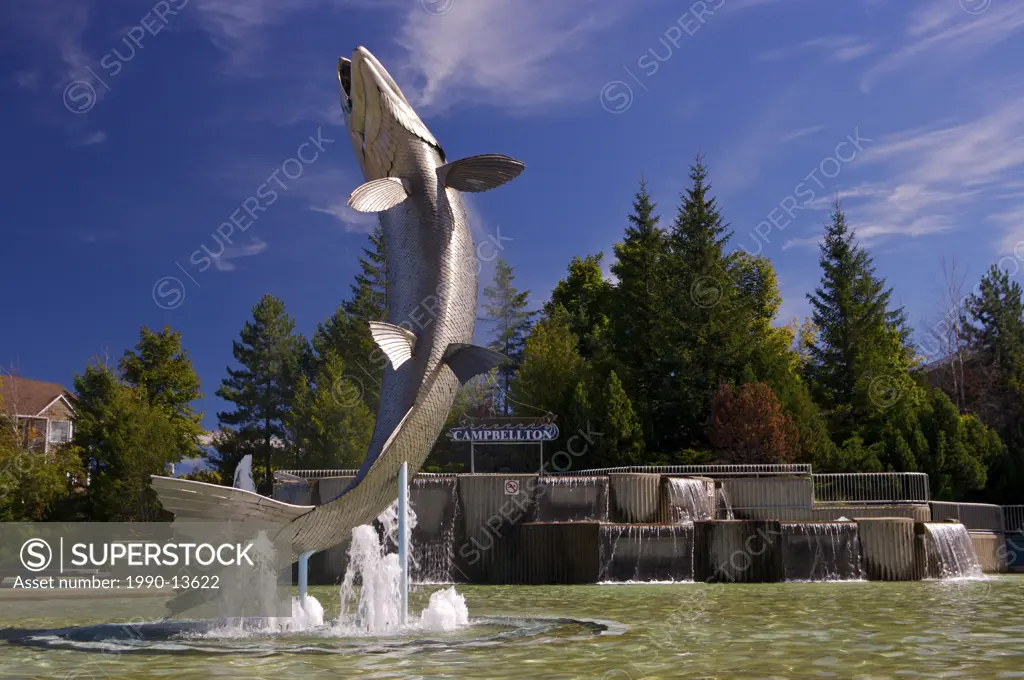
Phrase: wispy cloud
pixel 942 33
pixel 352 220
pixel 27 80
pixel 94 138
pixel 802 132
pixel 835 47
pixel 57 25
pixel 223 261
pixel 942 178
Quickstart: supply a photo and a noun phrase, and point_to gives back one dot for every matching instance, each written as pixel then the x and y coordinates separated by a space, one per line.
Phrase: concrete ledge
pixel 581 498
pixel 888 548
pixel 991 549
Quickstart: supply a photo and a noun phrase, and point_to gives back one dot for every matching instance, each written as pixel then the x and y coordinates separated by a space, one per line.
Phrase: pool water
pixel 922 629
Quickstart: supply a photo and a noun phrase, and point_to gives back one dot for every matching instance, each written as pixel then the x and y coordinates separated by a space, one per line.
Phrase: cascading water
pixel 949 551
pixel 722 503
pixel 434 503
pixel 688 500
pixel 821 551
pixel 653 552
pixel 243 475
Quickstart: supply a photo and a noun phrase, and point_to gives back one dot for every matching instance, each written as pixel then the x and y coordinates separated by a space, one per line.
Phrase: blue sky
pixel 134 130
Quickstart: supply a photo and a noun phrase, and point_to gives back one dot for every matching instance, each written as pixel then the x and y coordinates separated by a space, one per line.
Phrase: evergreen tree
pixel 621 442
pixel 638 311
pixel 347 331
pixel 861 357
pixel 263 389
pixel 994 330
pixel 585 296
pixel 505 310
pixel 123 439
pixel 329 424
pixel 161 368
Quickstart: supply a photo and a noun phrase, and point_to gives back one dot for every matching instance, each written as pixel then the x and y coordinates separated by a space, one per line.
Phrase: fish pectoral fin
pixel 480 173
pixel 397 343
pixel 378 195
pixel 469 361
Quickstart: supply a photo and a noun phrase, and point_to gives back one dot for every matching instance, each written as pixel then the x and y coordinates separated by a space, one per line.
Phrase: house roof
pixel 29 397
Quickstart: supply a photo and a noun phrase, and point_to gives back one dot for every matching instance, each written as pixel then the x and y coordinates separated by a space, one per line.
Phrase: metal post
pixel 403 537
pixel 541 471
pixel 303 577
pixel 472 458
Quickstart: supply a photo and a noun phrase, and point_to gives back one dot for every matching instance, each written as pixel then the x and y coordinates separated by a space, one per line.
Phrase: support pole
pixel 403 537
pixel 472 458
pixel 303 577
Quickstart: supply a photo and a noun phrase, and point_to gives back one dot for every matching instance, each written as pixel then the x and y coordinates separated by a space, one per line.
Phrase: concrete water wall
pixel 769 492
pixel 566 553
pixel 737 551
pixel 822 551
pixel 328 567
pixel 646 552
pixel 487 539
pixel 888 548
pixel 572 499
pixel 635 498
pixel 991 549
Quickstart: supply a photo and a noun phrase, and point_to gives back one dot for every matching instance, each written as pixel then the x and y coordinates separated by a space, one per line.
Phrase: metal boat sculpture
pixel 431 302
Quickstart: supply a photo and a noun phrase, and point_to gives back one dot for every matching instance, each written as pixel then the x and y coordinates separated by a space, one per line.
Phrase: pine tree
pixel 638 310
pixel 347 331
pixel 329 424
pixel 709 330
pixel 263 389
pixel 161 368
pixel 861 356
pixel 505 310
pixel 621 442
pixel 994 330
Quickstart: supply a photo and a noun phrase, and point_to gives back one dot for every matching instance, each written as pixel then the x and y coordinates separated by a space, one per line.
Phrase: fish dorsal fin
pixel 469 361
pixel 480 173
pixel 378 195
pixel 397 343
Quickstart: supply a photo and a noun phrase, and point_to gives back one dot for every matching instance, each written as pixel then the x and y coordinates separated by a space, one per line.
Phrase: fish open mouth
pixel 345 80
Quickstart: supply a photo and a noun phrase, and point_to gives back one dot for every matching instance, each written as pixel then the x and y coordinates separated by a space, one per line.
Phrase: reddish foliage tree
pixel 748 426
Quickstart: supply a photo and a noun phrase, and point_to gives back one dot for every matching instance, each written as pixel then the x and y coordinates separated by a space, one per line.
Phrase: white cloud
pixel 352 220
pixel 94 138
pixel 222 261
pixel 802 132
pixel 836 47
pixel 26 80
pixel 941 33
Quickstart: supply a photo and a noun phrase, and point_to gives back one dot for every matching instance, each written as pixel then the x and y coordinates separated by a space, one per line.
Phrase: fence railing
pixel 1013 517
pixel 974 516
pixel 873 488
pixel 751 470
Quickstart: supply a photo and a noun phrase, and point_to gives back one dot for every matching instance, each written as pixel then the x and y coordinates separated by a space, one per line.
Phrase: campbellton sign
pixel 510 432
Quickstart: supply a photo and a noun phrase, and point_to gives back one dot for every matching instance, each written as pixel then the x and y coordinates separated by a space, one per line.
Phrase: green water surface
pixel 962 629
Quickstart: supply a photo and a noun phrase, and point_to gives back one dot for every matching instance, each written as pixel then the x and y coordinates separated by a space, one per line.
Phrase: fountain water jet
pixel 948 551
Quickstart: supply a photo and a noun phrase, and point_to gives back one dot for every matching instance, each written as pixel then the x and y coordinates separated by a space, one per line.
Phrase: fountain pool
pixel 960 628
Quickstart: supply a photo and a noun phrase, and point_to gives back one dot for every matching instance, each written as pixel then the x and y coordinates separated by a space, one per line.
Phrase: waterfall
pixel 722 498
pixel 949 551
pixel 646 552
pixel 821 551
pixel 243 475
pixel 434 502
pixel 688 500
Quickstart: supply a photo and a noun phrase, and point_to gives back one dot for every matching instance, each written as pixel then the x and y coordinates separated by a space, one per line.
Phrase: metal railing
pixel 872 488
pixel 974 516
pixel 1013 517
pixel 752 470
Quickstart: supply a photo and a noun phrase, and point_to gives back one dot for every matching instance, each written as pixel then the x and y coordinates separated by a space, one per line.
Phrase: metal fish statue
pixel 431 302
